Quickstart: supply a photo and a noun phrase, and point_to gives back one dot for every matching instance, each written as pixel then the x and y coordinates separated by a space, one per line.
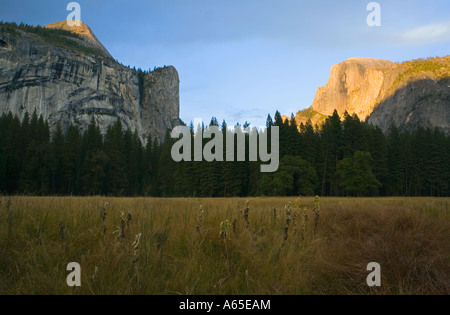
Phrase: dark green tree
pixel 294 177
pixel 331 139
pixel 116 175
pixel 355 175
pixel 57 165
pixel 378 149
pixel 166 168
pixel 71 162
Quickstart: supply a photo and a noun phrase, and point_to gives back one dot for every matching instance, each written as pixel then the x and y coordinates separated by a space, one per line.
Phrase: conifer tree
pixel 116 176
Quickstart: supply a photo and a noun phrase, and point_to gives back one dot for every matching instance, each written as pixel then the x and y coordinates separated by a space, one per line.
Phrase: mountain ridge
pixel 360 85
pixel 83 30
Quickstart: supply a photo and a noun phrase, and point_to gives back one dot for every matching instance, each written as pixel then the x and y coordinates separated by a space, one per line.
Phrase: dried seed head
pixel 104 212
pixel 136 242
pixel 288 220
pixel 224 228
pixel 95 272
pixel 288 209
pixel 316 211
pixel 122 225
pixel 200 220
pixel 135 246
pixel 246 212
pixel 295 217
pixel 317 202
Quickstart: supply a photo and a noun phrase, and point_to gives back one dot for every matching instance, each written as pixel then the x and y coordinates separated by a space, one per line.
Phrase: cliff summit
pixel 89 38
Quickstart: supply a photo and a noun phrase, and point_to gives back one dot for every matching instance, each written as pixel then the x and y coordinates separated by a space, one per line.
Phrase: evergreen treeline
pixel 341 158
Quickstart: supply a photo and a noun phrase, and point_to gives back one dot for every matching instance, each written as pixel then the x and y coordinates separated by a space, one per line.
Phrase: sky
pixel 240 60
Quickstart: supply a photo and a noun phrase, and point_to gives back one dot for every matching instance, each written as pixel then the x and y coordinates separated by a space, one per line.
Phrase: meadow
pixel 266 246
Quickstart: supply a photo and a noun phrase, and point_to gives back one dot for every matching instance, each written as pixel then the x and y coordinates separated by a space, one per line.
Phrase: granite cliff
pixel 408 95
pixel 67 76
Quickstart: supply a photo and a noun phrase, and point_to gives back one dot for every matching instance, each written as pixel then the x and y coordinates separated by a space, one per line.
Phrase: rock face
pixel 160 100
pixel 424 103
pixel 354 86
pixel 408 95
pixel 67 86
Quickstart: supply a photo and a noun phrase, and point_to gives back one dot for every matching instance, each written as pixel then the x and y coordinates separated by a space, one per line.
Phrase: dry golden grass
pixel 181 250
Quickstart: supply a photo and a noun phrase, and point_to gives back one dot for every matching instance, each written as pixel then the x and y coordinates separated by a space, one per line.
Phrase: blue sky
pixel 240 60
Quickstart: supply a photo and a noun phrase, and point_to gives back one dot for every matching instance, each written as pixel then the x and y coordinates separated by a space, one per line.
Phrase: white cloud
pixel 251 115
pixel 428 34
